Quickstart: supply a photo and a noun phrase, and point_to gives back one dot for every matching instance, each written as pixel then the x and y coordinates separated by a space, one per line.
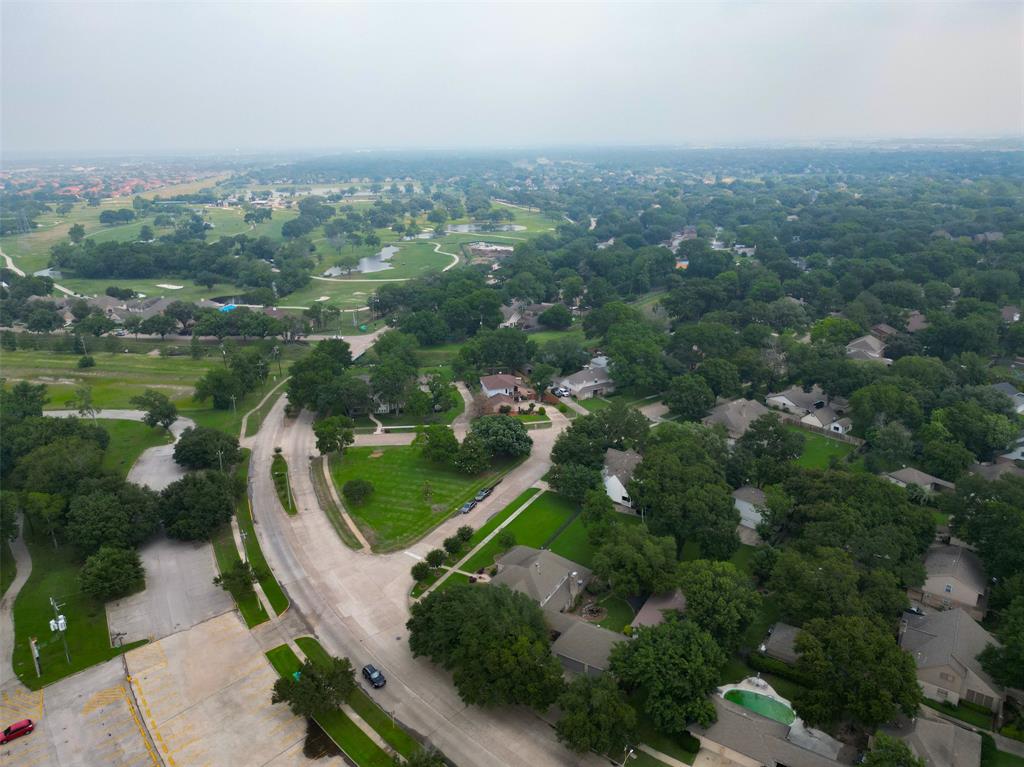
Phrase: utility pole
pixel 60 623
pixel 234 409
pixel 245 554
pixel 220 458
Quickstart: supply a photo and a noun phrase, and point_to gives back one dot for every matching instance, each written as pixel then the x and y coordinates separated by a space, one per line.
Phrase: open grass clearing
pixel 362 704
pixel 534 527
pixel 55 574
pixel 819 450
pixel 411 495
pixel 326 501
pixel 346 734
pixel 128 440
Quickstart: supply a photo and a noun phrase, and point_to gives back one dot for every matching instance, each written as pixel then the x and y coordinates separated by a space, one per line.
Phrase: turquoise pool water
pixel 763 705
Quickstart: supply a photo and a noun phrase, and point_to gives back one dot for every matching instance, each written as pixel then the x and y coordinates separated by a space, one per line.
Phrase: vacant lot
pixel 411 495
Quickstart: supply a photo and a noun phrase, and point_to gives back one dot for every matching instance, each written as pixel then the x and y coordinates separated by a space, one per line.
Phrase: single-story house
pixel 994 471
pixel 814 407
pixel 509 385
pixel 867 348
pixel 653 610
pixel 1011 391
pixel 910 476
pixel 592 381
pixel 736 416
pixel 751 740
pixel 748 500
pixel 938 743
pixel 554 582
pixel 954 577
pixel 945 646
pixel 618 469
pixel 916 322
pixel 1010 314
pixel 781 643
pixel 883 331
pixel 584 648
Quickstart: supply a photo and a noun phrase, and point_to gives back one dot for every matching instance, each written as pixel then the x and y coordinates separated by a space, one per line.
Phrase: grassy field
pixel 226 553
pixel 55 574
pixel 128 439
pixel 279 471
pixel 411 494
pixel 533 527
pixel 323 494
pixel 368 711
pixel 573 542
pixel 256 418
pixel 356 744
pixel 819 450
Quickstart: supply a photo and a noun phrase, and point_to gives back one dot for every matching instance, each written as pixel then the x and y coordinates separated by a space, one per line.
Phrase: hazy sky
pixel 177 76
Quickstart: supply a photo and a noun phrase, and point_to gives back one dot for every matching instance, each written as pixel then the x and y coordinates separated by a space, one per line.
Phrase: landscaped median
pixel 279 473
pixel 356 744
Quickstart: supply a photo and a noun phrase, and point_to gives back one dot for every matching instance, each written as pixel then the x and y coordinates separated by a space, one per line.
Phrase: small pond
pixel 378 262
pixel 762 704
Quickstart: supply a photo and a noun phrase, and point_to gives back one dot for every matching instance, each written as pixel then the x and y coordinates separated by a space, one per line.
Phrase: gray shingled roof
pixel 587 644
pixel 912 476
pixel 940 744
pixel 957 562
pixel 949 638
pixel 621 463
pixel 736 415
pixel 538 573
pixel 780 644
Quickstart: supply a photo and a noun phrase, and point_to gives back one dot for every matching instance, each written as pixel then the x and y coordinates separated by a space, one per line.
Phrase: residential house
pixel 945 647
pixel 509 385
pixel 867 348
pixel 938 743
pixel 781 643
pixel 910 476
pixel 748 501
pixel 813 407
pixel 1016 452
pixel 954 577
pixel 736 416
pixel 618 469
pixel 581 647
pixel 653 610
pixel 916 322
pixel 747 739
pixel 592 381
pixel 994 471
pixel 883 331
pixel 1010 314
pixel 1011 391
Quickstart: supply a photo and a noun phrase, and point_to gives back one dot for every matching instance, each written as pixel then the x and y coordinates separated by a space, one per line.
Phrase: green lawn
pixel 594 404
pixel 649 734
pixel 411 495
pixel 573 542
pixel 256 418
pixel 279 471
pixel 226 553
pixel 271 588
pixel 55 574
pixel 368 711
pixel 819 450
pixel 534 527
pixel 323 494
pixel 128 439
pixel 992 757
pixel 620 614
pixel 356 744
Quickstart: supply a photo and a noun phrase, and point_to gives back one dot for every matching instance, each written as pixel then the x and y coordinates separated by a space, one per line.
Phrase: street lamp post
pixel 629 755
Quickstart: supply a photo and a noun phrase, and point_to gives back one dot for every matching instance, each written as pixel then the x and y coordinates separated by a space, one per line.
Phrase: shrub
pixel 452 544
pixel 86 362
pixel 420 572
pixel 542 410
pixel 506 540
pixel 435 558
pixel 465 533
pixel 239 579
pixel 505 409
pixel 357 491
pixel 760 662
pixel 563 408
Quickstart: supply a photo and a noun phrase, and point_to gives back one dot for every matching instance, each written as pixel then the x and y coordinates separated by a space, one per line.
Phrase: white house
pixel 619 466
pixel 592 381
pixel 502 383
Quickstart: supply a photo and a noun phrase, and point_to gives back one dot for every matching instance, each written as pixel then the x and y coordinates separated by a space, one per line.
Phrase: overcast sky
pixel 84 76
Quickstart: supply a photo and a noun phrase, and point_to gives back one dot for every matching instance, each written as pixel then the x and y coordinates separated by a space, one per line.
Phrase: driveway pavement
pixel 357 603
pixel 179 592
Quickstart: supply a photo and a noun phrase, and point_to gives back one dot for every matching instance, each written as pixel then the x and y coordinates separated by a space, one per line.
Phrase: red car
pixel 16 730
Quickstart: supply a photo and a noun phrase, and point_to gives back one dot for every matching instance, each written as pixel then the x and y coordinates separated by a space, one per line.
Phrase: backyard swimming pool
pixel 762 704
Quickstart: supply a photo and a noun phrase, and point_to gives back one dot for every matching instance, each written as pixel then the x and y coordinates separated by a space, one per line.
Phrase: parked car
pixel 16 730
pixel 467 507
pixel 483 494
pixel 373 676
pixel 915 610
pixel 560 391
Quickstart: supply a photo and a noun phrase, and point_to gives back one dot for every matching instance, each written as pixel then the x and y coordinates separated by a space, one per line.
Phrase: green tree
pixel 224 386
pixel 319 688
pixel 23 400
pixel 76 233
pixel 420 571
pixel 1005 663
pixel 115 513
pixel 721 376
pixel 719 599
pixel 595 716
pixel 435 558
pixel 574 480
pixel 159 410
pixel 890 752
pixel 853 665
pixel 333 434
pixel 472 457
pixel 196 505
pixel 676 665
pixel 201 447
pixel 238 579
pixel 112 573
pixel 689 397
pixel 439 444
pixel 632 561
pixel 58 467
pixel 45 511
pixel 357 491
pixel 557 317
pixel 493 640
pixel 502 436
pixel 766 449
